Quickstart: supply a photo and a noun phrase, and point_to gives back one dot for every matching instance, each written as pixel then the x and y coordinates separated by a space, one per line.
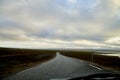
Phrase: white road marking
pixel 95 67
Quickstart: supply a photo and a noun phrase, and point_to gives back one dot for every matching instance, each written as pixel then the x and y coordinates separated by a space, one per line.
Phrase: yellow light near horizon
pixel 114 40
pixel 85 42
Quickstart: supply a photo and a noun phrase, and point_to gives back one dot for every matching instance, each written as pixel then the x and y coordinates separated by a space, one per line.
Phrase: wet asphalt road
pixel 58 68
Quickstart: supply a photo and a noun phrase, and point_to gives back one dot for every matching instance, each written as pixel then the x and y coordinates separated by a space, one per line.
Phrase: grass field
pixel 14 60
pixel 108 62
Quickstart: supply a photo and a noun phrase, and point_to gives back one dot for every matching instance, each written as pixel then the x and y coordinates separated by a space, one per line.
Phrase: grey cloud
pixel 12 37
pixel 6 23
pixel 66 34
pixel 114 23
pixel 59 20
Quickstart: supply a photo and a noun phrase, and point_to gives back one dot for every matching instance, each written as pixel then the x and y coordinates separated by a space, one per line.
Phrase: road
pixel 58 68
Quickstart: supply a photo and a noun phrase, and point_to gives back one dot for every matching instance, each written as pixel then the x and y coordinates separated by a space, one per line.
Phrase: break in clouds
pixel 60 23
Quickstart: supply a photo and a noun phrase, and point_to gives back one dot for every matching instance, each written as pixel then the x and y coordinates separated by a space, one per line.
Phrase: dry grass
pixel 109 62
pixel 15 60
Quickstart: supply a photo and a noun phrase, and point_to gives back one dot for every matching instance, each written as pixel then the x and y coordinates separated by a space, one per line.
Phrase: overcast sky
pixel 79 24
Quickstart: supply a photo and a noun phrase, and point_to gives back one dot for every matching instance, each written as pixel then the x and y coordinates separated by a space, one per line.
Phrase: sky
pixel 73 24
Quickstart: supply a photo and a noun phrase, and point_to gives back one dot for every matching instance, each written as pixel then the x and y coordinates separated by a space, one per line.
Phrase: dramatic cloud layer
pixel 60 24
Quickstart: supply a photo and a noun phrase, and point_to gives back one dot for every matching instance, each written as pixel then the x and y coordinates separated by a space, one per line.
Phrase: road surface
pixel 58 68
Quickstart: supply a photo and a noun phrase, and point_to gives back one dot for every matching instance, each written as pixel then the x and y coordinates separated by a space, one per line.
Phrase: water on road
pixel 58 68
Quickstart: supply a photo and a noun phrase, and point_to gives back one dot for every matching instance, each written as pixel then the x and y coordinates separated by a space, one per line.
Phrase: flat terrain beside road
pixel 58 68
pixel 15 60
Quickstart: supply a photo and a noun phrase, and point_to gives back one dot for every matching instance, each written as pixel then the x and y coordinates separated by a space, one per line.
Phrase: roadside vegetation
pixel 14 60
pixel 108 62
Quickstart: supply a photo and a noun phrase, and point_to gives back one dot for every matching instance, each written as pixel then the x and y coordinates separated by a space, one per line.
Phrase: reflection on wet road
pixel 59 67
